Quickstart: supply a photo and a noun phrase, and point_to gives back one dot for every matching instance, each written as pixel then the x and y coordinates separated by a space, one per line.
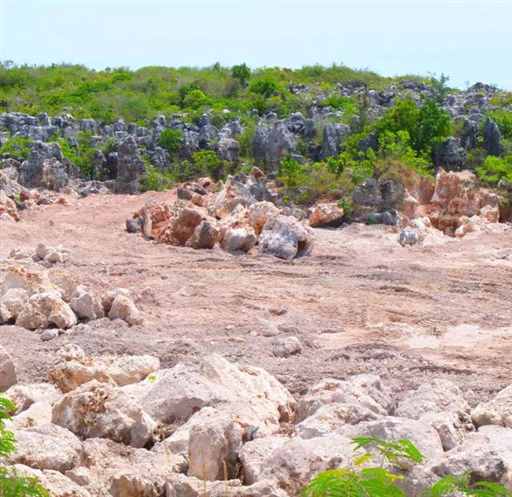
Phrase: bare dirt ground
pixel 360 303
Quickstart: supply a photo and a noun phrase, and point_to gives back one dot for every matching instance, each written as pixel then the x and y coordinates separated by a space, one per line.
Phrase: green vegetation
pixel 141 95
pixel 156 180
pixel 494 169
pixel 11 483
pixel 403 139
pixel 16 147
pixel 171 140
pixel 81 155
pixel 365 479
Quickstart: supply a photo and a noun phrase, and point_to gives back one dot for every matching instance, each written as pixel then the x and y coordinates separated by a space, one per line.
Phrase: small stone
pixel 285 347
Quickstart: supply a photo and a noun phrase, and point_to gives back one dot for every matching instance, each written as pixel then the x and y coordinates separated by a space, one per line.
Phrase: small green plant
pixel 11 483
pixel 17 147
pixel 365 479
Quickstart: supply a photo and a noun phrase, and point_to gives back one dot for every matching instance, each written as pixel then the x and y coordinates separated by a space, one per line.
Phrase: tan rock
pixel 124 308
pixel 7 370
pixel 326 215
pixel 101 410
pixel 44 309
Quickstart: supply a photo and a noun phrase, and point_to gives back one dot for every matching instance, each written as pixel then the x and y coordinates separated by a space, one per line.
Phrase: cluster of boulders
pixel 454 203
pixel 16 197
pixel 121 426
pixel 238 218
pixel 29 299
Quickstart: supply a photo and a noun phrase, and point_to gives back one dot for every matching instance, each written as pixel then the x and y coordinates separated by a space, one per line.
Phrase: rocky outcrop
pixel 130 167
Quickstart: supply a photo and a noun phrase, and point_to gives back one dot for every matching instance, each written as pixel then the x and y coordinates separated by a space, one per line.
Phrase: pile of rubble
pixel 120 426
pixel 239 218
pixel 29 299
pixel 455 205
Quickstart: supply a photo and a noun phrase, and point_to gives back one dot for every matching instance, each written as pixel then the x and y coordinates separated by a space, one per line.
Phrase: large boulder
pixel 130 167
pixel 492 138
pixel 46 309
pixel 100 410
pixel 259 213
pixel 242 190
pixel 393 428
pixel 26 395
pixel 329 214
pixel 238 239
pixel 450 155
pixel 486 455
pixel 365 390
pixel 271 142
pixel 111 468
pixel 12 303
pixel 333 417
pixel 73 371
pixel 286 238
pixel 86 304
pixel 498 411
pixel 214 446
pixel 435 396
pixel 292 464
pixel 332 137
pixel 179 392
pixel 124 308
pixel 205 235
pixel 45 167
pixel 7 370
pixel 47 447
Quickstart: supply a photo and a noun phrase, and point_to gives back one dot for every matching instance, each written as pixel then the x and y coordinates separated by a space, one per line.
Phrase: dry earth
pixel 360 303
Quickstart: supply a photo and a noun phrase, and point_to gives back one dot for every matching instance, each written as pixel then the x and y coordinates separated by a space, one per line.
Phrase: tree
pixel 11 483
pixel 242 73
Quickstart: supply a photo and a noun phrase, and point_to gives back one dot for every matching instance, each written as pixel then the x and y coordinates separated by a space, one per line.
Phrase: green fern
pixel 12 484
pixel 379 481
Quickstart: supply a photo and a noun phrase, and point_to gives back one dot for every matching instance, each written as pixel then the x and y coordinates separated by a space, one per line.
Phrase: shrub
pixel 264 87
pixel 155 180
pixel 81 155
pixel 11 483
pixel 503 119
pixel 242 73
pixel 383 480
pixel 208 163
pixel 195 99
pixel 17 147
pixel 495 169
pixel 426 125
pixel 171 140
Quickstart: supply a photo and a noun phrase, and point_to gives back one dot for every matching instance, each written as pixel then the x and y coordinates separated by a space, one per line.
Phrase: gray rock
pixel 450 155
pixel 286 238
pixel 492 138
pixel 130 167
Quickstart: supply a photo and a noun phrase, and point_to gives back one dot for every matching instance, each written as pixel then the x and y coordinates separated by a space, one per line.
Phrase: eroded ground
pixel 360 303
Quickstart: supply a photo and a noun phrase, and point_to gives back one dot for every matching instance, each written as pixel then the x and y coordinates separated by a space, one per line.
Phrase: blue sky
pixel 470 40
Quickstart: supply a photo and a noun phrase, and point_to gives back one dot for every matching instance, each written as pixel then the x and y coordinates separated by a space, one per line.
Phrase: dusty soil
pixel 360 303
